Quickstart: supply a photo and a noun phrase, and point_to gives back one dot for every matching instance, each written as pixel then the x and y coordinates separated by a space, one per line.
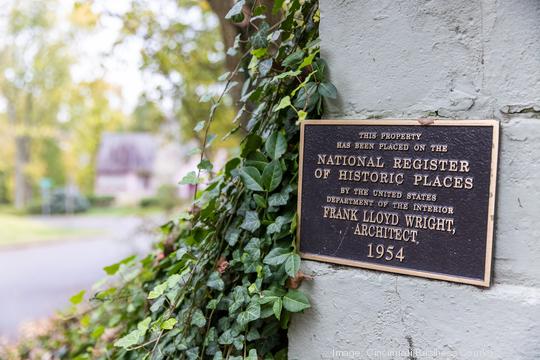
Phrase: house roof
pixel 123 153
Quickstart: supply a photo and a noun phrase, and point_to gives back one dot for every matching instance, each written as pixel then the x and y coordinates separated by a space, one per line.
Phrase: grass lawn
pixel 124 211
pixel 15 230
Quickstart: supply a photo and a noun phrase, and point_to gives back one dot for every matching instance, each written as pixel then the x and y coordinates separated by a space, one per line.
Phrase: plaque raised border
pixel 392 269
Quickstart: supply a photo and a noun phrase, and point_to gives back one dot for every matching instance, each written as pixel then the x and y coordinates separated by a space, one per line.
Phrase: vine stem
pixel 157 341
pixel 209 321
pixel 144 344
pixel 215 105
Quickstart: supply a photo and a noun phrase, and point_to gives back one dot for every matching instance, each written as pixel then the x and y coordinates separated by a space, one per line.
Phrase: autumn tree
pixel 34 71
pixel 52 125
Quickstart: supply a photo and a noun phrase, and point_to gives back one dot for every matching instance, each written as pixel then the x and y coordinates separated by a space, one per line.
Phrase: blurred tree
pixel 90 115
pixel 183 48
pixel 34 71
pixel 52 126
pixel 83 16
pixel 147 116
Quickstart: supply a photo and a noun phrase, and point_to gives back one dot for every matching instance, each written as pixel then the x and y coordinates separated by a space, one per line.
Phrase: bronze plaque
pixel 413 197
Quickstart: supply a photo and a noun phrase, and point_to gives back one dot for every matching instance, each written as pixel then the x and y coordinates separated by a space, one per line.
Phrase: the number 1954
pixel 388 253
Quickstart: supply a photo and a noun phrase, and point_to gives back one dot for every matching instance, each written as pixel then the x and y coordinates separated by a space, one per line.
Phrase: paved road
pixel 36 280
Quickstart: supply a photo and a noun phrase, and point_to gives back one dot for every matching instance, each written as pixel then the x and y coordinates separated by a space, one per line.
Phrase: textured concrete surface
pixel 451 59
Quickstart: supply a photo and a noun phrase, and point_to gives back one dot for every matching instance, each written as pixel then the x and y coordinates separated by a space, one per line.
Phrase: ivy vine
pixel 223 281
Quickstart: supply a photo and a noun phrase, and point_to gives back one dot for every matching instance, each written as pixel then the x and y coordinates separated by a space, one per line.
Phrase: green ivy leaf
pixel 227 337
pixel 253 63
pixel 168 324
pixel 284 103
pixel 275 146
pixel 294 58
pixel 320 67
pixel 277 225
pixel 272 175
pixel 113 269
pixel 252 313
pixel 236 11
pixel 276 256
pixel 251 221
pixel 231 236
pixel 191 354
pixel 135 336
pixel 251 177
pixel 130 339
pixel 215 281
pixel 261 52
pixel 259 39
pixel 77 298
pixel 231 165
pixel 252 355
pixel 258 160
pixel 328 90
pixel 105 294
pixel 157 304
pixel 307 96
pixel 198 318
pixel 250 144
pixel 173 280
pixel 266 312
pixel 253 248
pixel 157 291
pixel 265 66
pixel 252 289
pixel 287 74
pixel 97 332
pixel 184 215
pixel 189 179
pixel 205 164
pixel 271 295
pixel 308 60
pixel 222 77
pixel 277 307
pixel 212 304
pixel 143 325
pixel 253 334
pixel 259 200
pixel 302 115
pixel 295 301
pixel 278 199
pixel 237 304
pixel 199 126
pixel 292 264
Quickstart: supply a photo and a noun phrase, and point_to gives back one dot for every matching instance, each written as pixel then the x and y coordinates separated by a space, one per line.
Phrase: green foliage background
pixel 52 119
pixel 222 282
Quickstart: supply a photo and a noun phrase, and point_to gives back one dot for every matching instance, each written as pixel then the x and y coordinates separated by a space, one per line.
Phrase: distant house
pixel 125 166
pixel 132 166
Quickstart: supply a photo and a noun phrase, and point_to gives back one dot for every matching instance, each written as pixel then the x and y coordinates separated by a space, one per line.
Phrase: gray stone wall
pixel 465 59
